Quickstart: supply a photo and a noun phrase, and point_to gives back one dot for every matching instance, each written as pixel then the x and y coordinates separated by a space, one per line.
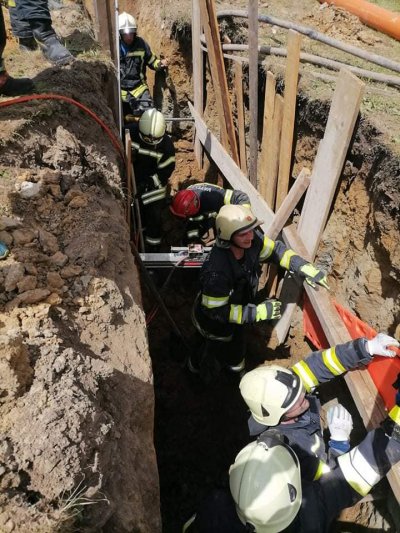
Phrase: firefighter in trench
pixel 10 86
pixel 199 205
pixel 282 399
pixel 268 494
pixel 153 156
pixel 135 57
pixel 228 288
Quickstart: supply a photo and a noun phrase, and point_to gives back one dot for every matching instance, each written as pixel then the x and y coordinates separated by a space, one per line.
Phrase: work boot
pixel 14 86
pixel 27 44
pixel 49 43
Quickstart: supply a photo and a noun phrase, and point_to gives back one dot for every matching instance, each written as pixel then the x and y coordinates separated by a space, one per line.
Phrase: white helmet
pixel 126 23
pixel 152 126
pixel 265 483
pixel 270 391
pixel 233 219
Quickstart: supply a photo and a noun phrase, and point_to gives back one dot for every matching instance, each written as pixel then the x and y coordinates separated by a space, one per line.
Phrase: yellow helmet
pixel 265 484
pixel 270 391
pixel 126 23
pixel 152 126
pixel 233 219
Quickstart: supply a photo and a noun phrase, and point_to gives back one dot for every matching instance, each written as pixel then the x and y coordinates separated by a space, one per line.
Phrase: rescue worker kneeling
pixel 153 155
pixel 282 399
pixel 199 205
pixel 268 495
pixel 229 283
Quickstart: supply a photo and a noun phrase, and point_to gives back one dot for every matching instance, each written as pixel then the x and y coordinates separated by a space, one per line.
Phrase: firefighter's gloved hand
pixel 379 345
pixel 340 423
pixel 268 310
pixel 313 275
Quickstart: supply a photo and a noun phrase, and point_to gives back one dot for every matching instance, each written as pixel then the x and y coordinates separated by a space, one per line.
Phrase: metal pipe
pixel 179 119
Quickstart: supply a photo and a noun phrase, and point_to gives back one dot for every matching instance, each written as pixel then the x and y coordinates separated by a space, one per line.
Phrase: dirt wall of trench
pixel 76 392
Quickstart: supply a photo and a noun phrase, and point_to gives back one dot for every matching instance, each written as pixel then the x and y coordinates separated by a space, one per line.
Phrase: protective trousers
pixel 33 9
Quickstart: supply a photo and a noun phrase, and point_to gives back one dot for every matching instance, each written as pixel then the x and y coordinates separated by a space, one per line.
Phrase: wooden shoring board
pixel 267 132
pixel 273 152
pixel 240 115
pixel 103 29
pixel 360 384
pixel 128 153
pixel 198 74
pixel 253 89
pixel 220 84
pixel 327 169
pixel 289 111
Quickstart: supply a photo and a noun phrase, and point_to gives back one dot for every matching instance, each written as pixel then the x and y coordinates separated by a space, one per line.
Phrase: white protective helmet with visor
pixel 265 483
pixel 152 126
pixel 126 24
pixel 233 219
pixel 270 391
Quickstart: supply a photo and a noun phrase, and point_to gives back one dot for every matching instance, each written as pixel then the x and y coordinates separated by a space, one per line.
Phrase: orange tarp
pixel 383 370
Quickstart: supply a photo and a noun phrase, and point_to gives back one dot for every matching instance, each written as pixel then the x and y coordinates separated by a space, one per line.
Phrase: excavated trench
pixel 77 404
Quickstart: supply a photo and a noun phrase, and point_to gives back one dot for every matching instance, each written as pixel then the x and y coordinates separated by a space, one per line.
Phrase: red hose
pixel 116 143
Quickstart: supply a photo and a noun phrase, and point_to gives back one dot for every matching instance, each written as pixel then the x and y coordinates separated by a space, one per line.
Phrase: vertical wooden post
pixel 128 153
pixel 103 28
pixel 214 49
pixel 240 115
pixel 253 89
pixel 291 80
pixel 269 102
pixel 197 76
pixel 273 152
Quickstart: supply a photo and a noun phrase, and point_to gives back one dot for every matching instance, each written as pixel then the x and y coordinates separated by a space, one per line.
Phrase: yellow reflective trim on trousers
pixel 206 334
pixel 154 196
pixel 167 162
pixel 357 471
pixel 285 260
pixel 322 469
pixel 154 241
pixel 267 249
pixel 394 414
pixel 211 302
pixel 11 3
pixel 332 362
pixel 193 233
pixel 139 90
pixel 228 196
pixel 306 375
pixel 235 314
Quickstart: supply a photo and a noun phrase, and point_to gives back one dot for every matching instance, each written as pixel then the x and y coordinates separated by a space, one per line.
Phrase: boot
pixel 14 86
pixel 49 43
pixel 27 44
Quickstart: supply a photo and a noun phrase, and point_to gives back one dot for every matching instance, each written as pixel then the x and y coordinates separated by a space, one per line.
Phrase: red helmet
pixel 185 204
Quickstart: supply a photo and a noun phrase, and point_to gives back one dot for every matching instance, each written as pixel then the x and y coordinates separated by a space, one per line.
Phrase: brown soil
pixel 76 399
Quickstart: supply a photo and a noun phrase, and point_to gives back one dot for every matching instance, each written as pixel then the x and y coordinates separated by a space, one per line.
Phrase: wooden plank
pixel 103 29
pixel 253 88
pixel 198 74
pixel 289 111
pixel 240 115
pixel 269 103
pixel 330 158
pixel 325 176
pixel 230 170
pixel 128 153
pixel 273 152
pixel 289 203
pixel 214 49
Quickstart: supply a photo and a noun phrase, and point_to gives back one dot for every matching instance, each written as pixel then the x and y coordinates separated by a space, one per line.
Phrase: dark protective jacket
pixel 229 286
pixel 133 62
pixel 153 165
pixel 305 435
pixel 322 500
pixel 212 198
